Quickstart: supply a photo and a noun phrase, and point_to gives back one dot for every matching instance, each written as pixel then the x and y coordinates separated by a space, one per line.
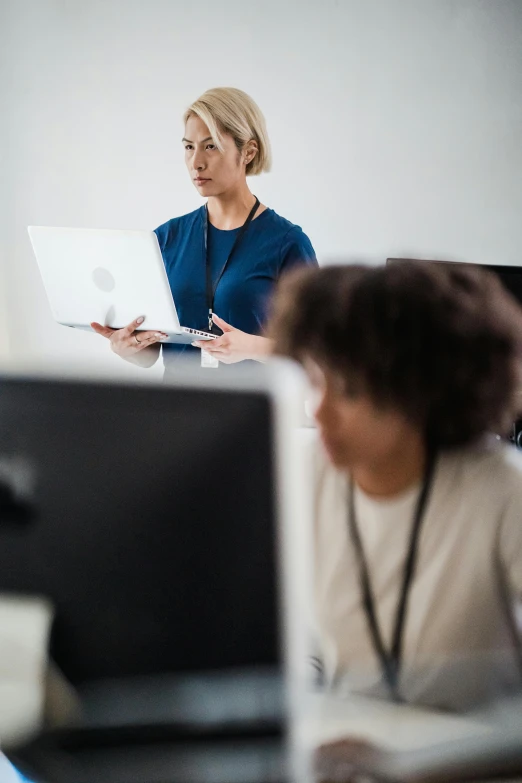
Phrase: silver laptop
pixel 108 276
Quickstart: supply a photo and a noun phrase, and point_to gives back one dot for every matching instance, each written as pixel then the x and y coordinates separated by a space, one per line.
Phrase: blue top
pixel 270 247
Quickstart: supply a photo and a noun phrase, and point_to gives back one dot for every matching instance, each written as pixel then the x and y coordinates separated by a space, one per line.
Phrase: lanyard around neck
pixel 212 287
pixel 390 661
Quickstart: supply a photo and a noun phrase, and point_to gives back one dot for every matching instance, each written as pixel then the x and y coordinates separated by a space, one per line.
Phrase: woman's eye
pixel 188 146
pixel 211 146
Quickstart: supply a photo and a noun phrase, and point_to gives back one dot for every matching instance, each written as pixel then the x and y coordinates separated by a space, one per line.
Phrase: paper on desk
pixel 327 717
pixel 25 624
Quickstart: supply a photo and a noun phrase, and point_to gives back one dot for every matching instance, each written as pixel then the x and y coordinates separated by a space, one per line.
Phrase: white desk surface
pixel 392 726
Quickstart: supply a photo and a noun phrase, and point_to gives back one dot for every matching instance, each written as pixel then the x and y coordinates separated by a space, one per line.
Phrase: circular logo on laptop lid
pixel 103 280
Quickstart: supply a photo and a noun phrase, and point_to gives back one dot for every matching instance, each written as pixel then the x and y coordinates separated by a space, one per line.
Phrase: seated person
pixel 418 534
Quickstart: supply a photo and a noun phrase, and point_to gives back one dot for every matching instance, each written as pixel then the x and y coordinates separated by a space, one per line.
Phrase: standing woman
pixel 224 259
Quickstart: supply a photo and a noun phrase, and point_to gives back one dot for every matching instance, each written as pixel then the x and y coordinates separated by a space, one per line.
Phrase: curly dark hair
pixel 442 343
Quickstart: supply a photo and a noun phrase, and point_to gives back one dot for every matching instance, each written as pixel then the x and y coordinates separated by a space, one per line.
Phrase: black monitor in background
pixel 153 525
pixel 511 279
pixel 149 518
pixel 510 276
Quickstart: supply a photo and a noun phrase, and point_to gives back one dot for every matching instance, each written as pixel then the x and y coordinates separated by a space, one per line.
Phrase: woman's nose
pixel 198 162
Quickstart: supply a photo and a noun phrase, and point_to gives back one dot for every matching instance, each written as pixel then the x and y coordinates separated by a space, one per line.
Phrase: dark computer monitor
pixel 149 516
pixel 510 276
pixel 511 279
pixel 152 525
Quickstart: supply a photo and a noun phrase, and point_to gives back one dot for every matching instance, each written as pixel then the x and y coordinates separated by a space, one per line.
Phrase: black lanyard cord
pixel 390 661
pixel 212 287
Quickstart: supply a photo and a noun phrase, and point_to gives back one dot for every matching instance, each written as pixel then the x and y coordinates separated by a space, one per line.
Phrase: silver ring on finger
pixel 138 341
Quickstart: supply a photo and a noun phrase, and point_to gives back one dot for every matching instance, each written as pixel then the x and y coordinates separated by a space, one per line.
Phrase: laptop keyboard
pixel 199 334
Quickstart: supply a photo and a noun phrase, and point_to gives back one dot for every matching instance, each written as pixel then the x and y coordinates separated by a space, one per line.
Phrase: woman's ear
pixel 250 150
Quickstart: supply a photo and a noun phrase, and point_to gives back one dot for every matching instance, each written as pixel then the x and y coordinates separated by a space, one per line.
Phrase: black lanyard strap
pixel 390 660
pixel 212 287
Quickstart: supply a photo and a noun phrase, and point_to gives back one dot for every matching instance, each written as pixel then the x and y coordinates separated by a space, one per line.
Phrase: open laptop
pixel 108 276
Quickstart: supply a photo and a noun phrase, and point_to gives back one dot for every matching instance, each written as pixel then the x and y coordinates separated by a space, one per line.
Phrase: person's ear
pixel 250 150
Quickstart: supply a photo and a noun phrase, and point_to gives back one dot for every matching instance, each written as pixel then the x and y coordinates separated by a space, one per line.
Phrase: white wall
pixel 396 125
pixel 6 216
pixel 4 333
pixel 4 336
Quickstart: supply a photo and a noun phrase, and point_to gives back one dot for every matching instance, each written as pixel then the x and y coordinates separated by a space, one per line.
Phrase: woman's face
pixel 354 431
pixel 213 172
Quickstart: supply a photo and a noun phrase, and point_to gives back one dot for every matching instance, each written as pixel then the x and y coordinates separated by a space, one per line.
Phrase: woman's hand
pixel 235 345
pixel 128 342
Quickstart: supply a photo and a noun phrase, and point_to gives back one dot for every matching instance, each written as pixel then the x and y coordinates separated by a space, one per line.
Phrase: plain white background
pixel 396 128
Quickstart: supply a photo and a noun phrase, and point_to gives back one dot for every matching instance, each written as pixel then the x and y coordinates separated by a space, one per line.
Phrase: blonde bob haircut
pixel 232 111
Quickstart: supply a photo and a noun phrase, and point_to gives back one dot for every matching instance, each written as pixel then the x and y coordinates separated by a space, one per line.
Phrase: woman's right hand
pixel 128 342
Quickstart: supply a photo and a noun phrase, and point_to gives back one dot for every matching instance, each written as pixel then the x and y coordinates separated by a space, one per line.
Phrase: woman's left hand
pixel 235 345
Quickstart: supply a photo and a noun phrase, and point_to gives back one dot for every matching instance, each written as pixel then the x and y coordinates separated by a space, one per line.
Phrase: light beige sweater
pixel 458 644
